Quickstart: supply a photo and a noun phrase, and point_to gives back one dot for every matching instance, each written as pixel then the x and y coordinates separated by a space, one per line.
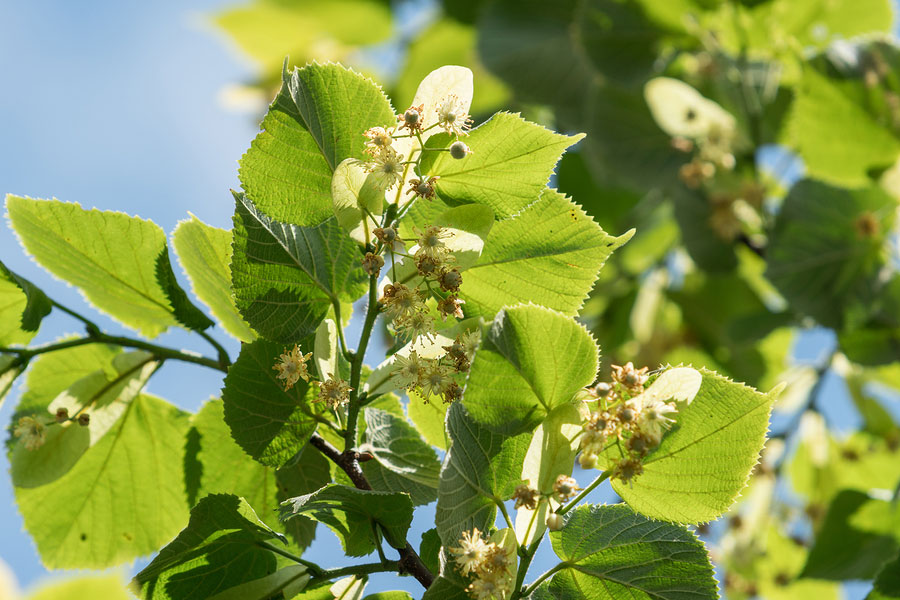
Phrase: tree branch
pixel 348 461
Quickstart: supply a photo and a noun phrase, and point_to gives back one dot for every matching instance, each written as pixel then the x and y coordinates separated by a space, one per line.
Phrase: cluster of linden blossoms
pixel 389 166
pixel 292 367
pixel 624 417
pixel 406 306
pixel 489 564
pixel 437 376
pixel 564 489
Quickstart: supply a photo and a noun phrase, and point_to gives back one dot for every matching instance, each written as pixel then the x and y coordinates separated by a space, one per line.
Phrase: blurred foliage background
pixel 754 147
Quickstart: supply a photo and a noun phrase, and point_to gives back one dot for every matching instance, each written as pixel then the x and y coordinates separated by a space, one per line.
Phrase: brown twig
pixel 349 463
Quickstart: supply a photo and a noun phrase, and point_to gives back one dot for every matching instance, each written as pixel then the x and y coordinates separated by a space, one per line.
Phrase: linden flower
pixel 435 379
pixel 471 551
pixel 630 378
pixel 452 116
pixel 654 417
pixel 419 324
pixel 31 432
pixel 386 166
pixel 487 589
pixel 292 367
pixel 423 188
pixel 431 241
pixel 402 302
pixel 526 496
pixel 334 392
pixel 379 139
pixel 408 369
pixel 412 118
pixel 565 488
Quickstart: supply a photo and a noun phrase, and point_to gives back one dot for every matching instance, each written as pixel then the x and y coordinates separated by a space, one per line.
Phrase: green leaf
pixel 612 553
pixel 859 534
pixel 9 371
pixel 352 514
pixel 549 254
pixel 887 584
pixel 316 121
pixel 525 44
pixel 187 314
pixel 269 31
pixel 828 247
pixel 480 469
pixel 705 461
pixel 430 550
pixel 620 41
pixel 289 580
pixel 107 587
pixel 37 305
pixel 403 461
pixel 221 466
pixel 13 303
pixel 269 423
pixel 510 164
pixel 53 372
pixel 103 397
pixel 445 589
pixel 429 417
pixel 392 595
pixel 82 520
pixel 693 213
pixel 533 360
pixel 624 144
pixel 112 257
pixel 287 277
pixel 204 252
pixel 843 151
pixel 216 551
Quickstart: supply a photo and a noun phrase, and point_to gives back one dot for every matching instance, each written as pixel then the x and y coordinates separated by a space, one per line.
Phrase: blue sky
pixel 113 104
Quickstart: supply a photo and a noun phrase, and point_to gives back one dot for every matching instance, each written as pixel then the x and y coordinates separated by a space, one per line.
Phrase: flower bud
pixel 554 522
pixel 587 461
pixel 458 150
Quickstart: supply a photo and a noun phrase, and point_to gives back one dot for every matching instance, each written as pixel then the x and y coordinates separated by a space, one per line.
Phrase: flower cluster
pixel 437 376
pixel 626 418
pixel 489 564
pixel 406 307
